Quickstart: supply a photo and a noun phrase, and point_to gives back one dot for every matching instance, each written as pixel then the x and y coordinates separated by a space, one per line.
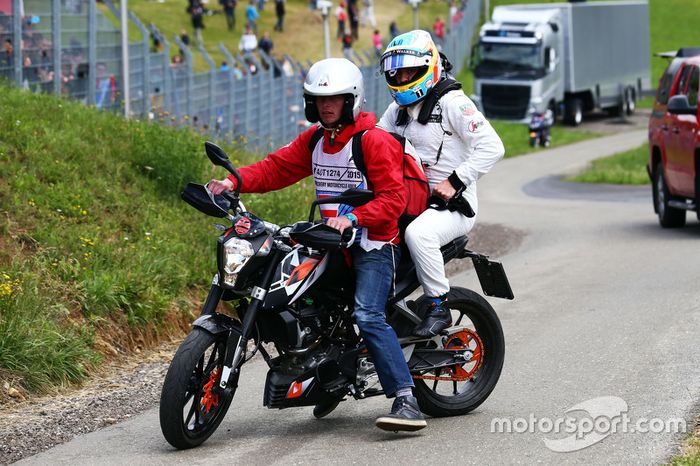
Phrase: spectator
pixel 185 38
pixel 439 30
pixel 7 52
pixel 29 72
pixel 377 43
pixel 265 43
pixel 279 10
pixel 230 12
pixel 454 16
pixel 341 16
pixel 368 14
pixel 347 46
pixel 176 61
pixel 287 67
pixel 354 18
pixel 197 14
pixel 252 15
pixel 261 5
pixel 248 42
pixel 224 66
pixel 106 86
pixel 393 30
pixel 237 73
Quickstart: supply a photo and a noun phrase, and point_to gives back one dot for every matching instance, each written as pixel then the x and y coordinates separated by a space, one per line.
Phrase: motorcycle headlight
pixel 237 251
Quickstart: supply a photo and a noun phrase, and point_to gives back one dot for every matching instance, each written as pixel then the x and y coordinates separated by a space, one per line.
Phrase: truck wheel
pixel 574 112
pixel 669 217
pixel 630 101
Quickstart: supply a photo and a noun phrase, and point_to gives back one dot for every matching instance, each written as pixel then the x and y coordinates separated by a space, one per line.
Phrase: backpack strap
pixel 441 88
pixel 357 155
pixel 318 134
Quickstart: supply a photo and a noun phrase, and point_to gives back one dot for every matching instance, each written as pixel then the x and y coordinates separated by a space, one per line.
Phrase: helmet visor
pixel 396 59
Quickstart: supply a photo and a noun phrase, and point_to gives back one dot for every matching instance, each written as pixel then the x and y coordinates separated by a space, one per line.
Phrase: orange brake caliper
pixel 209 397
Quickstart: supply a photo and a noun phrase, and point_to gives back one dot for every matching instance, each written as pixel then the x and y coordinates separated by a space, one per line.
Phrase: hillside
pixel 97 252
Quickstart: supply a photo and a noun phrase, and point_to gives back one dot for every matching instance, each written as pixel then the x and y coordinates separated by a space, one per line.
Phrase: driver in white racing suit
pixel 457 146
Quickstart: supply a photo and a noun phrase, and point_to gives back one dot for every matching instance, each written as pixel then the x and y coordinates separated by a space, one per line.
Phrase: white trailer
pixel 567 57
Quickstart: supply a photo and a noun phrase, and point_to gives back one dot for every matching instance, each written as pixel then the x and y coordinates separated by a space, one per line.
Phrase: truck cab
pixel 518 68
pixel 569 58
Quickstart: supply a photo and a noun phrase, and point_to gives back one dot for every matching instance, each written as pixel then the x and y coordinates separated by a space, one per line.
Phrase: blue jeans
pixel 374 272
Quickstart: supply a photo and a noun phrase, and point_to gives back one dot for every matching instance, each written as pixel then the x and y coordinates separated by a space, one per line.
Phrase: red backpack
pixel 415 184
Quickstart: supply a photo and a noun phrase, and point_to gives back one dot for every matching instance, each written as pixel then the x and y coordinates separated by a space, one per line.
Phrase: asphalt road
pixel 606 320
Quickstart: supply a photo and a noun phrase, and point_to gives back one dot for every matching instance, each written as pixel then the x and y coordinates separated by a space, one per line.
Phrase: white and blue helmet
pixel 414 49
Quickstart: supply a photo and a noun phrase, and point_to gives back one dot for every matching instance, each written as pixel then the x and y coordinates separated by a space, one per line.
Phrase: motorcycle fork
pixel 235 348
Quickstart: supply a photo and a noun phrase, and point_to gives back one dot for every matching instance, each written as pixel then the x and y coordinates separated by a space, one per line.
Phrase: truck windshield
pixel 497 59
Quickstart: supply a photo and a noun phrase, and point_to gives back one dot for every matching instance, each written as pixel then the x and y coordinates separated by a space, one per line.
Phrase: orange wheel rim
pixel 466 339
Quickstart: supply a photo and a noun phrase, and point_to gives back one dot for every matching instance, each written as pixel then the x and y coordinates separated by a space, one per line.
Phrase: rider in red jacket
pixel 334 96
pixel 383 158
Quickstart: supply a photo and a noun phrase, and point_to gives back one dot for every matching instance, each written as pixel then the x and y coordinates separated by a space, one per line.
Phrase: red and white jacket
pixel 383 157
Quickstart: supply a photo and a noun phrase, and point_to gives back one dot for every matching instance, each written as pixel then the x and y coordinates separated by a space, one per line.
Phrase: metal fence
pixel 56 46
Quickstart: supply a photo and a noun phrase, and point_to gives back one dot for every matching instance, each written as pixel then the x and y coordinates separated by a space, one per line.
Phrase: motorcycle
pixel 291 289
pixel 539 128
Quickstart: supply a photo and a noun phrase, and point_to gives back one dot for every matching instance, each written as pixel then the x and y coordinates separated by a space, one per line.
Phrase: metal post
pixel 56 37
pixel 146 43
pixel 167 89
pixel 125 58
pixel 92 52
pixel 212 85
pixel 17 14
pixel 271 128
pixel 232 80
pixel 190 76
pixel 247 114
pixel 486 10
pixel 325 6
pixel 414 4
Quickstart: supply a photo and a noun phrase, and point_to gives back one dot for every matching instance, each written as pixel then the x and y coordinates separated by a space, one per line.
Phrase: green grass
pixel 94 240
pixel 691 451
pixel 302 38
pixel 622 168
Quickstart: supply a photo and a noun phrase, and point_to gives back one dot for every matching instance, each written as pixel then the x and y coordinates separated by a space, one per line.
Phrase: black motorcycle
pixel 292 289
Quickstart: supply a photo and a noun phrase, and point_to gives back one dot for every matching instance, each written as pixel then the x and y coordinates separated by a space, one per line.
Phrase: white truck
pixel 569 58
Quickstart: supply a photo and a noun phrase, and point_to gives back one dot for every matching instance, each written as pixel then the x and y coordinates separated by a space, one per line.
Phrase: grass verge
pixel 622 168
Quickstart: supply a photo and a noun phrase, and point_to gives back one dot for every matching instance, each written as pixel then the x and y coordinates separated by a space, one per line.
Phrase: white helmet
pixel 334 76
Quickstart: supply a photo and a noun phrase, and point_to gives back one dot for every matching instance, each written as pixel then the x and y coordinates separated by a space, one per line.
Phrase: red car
pixel 674 141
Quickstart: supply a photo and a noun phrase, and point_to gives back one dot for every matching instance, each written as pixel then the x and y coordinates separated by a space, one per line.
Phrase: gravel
pixel 131 385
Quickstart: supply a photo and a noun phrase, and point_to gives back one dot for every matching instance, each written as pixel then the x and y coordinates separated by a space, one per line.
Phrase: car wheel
pixel 669 217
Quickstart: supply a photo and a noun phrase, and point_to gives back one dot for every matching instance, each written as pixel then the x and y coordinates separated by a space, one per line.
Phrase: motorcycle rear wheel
pixel 192 405
pixel 485 334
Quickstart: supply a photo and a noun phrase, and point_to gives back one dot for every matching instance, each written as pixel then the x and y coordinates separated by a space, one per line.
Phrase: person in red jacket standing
pixel 334 97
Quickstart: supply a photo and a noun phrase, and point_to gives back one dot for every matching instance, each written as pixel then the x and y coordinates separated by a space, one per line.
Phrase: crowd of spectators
pixel 36 58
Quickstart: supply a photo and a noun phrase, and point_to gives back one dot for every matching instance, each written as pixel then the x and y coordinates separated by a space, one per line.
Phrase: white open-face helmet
pixel 334 76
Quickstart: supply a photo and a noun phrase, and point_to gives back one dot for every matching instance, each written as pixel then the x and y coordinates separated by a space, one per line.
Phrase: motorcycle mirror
pixel 218 157
pixel 216 154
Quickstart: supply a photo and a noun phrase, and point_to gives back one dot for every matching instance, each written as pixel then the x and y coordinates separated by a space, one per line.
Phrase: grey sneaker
pixel 405 416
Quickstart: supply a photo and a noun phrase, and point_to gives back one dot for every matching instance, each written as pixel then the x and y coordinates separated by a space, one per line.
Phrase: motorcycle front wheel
pixel 192 405
pixel 459 389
